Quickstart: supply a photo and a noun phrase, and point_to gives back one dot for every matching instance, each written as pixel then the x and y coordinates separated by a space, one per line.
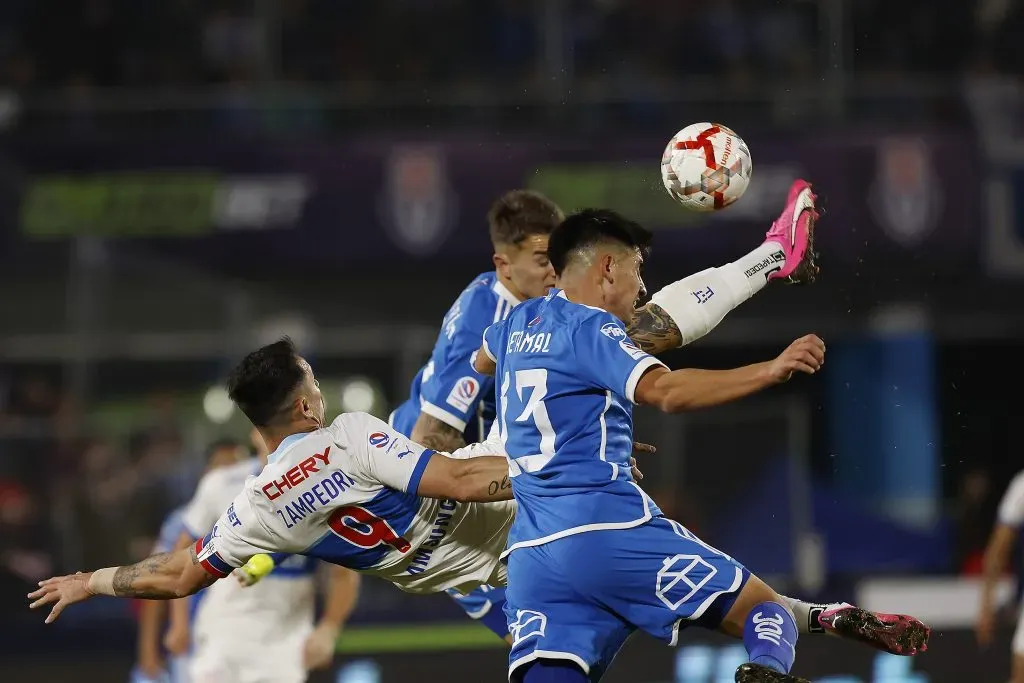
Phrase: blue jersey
pixel 447 387
pixel 567 374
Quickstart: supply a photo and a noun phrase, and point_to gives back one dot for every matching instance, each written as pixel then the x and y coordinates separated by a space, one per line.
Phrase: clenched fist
pixel 806 354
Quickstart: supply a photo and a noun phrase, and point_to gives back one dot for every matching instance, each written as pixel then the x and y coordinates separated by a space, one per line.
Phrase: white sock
pixel 698 303
pixel 807 613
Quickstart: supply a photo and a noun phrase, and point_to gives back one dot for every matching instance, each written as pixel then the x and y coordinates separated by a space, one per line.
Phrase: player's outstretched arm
pixel 689 389
pixel 161 577
pixel 483 479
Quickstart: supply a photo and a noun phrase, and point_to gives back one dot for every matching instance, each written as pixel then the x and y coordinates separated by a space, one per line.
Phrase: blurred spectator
pixel 975 512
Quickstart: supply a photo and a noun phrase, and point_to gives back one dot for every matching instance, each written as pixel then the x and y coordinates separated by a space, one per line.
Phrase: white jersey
pixel 347 494
pixel 283 601
pixel 1011 508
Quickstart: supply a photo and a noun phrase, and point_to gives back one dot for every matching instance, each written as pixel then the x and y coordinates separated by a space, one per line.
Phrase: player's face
pixel 312 404
pixel 527 266
pixel 623 285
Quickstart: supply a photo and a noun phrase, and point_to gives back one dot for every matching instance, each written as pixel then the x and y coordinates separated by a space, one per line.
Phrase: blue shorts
pixel 578 598
pixel 486 604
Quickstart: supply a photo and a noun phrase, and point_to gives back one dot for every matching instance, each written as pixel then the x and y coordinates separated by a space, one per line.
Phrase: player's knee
pixel 553 671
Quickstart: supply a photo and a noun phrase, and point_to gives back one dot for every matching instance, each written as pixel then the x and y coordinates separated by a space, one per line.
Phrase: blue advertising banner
pixel 908 201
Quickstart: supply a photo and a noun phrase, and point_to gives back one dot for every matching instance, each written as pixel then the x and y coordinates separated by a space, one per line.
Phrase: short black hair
pixel 590 227
pixel 261 384
pixel 218 445
pixel 518 214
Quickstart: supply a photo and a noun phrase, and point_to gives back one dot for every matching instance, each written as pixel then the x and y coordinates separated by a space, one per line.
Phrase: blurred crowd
pixel 97 43
pixel 78 495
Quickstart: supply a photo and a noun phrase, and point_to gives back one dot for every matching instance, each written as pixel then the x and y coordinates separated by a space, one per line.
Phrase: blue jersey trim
pixel 417 473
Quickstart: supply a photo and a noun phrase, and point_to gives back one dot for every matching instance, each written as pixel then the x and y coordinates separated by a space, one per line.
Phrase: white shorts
pixel 226 660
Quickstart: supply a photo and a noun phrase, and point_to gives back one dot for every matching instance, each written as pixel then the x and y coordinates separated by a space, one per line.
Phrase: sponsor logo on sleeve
pixel 463 393
pixel 613 331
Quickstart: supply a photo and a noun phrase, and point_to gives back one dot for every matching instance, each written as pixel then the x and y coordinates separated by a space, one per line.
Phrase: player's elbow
pixel 667 399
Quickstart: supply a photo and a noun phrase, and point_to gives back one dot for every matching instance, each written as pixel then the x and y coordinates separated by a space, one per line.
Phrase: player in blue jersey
pixel 590 556
pixel 150 665
pixel 449 403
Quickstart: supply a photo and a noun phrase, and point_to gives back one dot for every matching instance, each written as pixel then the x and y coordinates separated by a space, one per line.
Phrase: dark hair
pixel 263 381
pixel 516 215
pixel 219 445
pixel 589 228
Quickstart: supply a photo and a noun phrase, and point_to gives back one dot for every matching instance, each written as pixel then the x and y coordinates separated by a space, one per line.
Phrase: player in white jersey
pixel 150 667
pixel 265 632
pixel 354 493
pixel 1008 527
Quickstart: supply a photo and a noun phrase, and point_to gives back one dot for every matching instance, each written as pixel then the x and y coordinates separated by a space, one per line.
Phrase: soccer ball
pixel 706 167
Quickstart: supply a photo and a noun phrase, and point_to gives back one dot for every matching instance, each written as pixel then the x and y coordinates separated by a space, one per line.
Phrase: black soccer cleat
pixel 755 673
pixel 896 634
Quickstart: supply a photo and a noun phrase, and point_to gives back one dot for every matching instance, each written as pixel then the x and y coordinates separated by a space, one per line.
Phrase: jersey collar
pixel 285 444
pixel 561 294
pixel 502 291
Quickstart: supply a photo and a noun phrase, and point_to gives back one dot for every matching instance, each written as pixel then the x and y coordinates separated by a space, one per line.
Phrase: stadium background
pixel 180 181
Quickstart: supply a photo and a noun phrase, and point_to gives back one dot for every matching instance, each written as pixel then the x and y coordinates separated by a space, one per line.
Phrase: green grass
pixel 432 637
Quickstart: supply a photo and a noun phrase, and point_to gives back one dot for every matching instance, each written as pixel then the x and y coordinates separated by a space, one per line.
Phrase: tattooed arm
pixel 440 436
pixel 160 577
pixel 483 479
pixel 653 330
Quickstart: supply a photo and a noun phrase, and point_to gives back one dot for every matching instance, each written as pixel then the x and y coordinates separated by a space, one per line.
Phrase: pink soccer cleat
pixel 793 231
pixel 896 634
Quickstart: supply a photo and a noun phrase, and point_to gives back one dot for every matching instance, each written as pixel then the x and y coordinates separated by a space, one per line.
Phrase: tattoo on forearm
pixel 437 435
pixel 653 330
pixel 125 577
pixel 495 486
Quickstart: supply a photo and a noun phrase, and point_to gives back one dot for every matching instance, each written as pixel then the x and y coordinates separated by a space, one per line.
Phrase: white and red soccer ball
pixel 706 167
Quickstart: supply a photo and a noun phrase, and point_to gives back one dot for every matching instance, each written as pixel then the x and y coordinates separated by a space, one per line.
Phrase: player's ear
pixel 502 264
pixel 306 408
pixel 608 267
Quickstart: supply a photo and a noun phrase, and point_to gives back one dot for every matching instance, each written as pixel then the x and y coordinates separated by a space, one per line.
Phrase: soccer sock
pixel 807 613
pixel 553 671
pixel 769 635
pixel 699 302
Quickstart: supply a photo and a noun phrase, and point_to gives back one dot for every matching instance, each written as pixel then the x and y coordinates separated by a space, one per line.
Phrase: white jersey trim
pixel 443 415
pixel 601 526
pixel 487 349
pixel 638 372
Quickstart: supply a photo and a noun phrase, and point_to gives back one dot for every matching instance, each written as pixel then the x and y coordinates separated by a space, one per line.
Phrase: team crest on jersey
pixel 533 322
pixel 463 393
pixel 418 204
pixel 635 352
pixel 379 439
pixel 613 331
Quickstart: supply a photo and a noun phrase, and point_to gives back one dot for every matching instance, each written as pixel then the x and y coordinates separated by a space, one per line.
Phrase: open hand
pixel 806 355
pixel 60 591
pixel 318 650
pixel 639 448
